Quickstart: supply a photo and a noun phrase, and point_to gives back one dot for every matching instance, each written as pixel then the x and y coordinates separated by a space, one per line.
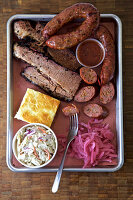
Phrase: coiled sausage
pixel 79 10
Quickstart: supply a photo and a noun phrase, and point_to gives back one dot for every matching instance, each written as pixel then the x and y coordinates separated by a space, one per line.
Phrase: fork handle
pixel 59 172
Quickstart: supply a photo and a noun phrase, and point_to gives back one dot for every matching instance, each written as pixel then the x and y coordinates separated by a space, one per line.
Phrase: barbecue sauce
pixel 90 53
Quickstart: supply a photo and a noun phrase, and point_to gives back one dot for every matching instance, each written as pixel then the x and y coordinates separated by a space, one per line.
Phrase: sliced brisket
pixel 65 81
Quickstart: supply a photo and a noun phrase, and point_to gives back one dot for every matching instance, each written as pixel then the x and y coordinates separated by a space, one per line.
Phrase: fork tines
pixel 74 122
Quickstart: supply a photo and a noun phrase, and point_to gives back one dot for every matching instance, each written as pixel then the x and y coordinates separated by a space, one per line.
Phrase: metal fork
pixel 72 132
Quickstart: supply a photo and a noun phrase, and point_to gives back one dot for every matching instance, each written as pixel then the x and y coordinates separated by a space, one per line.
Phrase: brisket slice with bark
pixel 66 82
pixel 34 76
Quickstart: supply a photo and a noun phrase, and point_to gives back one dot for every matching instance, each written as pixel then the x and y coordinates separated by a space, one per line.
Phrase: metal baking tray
pixel 119 99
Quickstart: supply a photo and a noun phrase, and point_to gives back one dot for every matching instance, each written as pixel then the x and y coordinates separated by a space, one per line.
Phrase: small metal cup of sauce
pixel 90 53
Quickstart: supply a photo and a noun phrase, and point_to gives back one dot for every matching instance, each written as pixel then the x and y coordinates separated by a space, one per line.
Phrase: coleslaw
pixel 35 145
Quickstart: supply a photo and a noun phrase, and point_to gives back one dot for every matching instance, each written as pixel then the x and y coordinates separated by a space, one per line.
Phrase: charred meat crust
pixel 33 45
pixel 34 80
pixel 67 80
pixel 24 29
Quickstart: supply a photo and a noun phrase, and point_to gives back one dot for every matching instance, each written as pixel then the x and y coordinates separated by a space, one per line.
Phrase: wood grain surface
pixel 74 186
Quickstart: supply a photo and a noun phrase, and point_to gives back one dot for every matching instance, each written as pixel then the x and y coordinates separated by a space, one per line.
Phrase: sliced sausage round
pixel 93 110
pixel 85 94
pixel 107 93
pixel 88 75
pixel 70 110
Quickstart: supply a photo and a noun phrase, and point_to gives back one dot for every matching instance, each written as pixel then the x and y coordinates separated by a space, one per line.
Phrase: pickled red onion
pixel 93 144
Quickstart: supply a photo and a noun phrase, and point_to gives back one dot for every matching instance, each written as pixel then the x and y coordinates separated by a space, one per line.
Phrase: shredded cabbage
pixel 35 146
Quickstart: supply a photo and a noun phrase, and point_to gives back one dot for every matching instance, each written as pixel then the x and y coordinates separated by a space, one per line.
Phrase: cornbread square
pixel 37 108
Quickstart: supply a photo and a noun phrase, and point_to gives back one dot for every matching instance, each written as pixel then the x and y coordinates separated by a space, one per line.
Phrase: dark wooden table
pixel 118 185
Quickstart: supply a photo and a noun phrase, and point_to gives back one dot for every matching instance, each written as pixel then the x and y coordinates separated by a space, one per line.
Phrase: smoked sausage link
pixel 79 10
pixel 108 67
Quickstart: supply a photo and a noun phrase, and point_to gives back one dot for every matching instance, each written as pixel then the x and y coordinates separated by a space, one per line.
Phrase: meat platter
pixel 15 93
